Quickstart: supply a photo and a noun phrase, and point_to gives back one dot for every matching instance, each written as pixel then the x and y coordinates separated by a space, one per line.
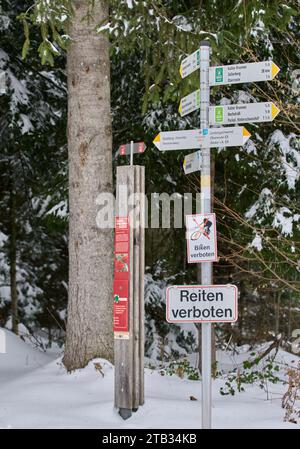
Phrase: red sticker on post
pixel 121 306
pixel 121 277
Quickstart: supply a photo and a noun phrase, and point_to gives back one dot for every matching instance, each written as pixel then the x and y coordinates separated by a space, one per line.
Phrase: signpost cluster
pixel 207 303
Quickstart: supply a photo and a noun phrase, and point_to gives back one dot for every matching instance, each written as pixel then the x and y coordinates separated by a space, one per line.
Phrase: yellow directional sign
pixel 189 103
pixel 190 64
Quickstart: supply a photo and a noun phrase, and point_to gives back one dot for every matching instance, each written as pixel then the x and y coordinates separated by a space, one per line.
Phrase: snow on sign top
pixel 190 64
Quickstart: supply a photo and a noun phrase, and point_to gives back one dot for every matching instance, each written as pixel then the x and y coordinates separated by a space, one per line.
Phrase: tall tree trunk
pixel 13 263
pixel 89 326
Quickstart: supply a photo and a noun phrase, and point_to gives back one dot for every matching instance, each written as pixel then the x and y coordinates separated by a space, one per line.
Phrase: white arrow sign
pixel 190 64
pixel 202 138
pixel 242 73
pixel 230 114
pixel 189 103
pixel 192 162
pixel 242 113
pixel 202 304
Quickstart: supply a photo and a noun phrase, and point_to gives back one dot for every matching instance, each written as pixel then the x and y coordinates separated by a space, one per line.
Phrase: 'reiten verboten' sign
pixel 202 303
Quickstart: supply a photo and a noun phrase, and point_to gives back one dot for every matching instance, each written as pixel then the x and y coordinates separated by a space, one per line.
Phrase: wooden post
pixel 129 347
pixel 136 293
pixel 142 282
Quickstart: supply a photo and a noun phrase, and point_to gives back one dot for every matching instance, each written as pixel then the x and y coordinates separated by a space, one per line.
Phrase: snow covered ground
pixel 37 392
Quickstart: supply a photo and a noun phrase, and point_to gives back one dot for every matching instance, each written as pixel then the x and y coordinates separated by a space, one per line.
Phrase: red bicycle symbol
pixel 204 229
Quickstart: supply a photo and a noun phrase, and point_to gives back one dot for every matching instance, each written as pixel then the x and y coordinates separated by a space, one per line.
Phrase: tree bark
pixel 13 263
pixel 89 326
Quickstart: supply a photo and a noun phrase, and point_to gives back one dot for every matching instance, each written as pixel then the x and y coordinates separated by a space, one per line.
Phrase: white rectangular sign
pixel 230 114
pixel 192 162
pixel 201 238
pixel 190 64
pixel 138 147
pixel 202 304
pixel 189 103
pixel 202 138
pixel 242 73
pixel 242 113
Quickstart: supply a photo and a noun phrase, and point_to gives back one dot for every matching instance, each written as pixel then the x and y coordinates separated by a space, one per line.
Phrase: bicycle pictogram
pixel 204 229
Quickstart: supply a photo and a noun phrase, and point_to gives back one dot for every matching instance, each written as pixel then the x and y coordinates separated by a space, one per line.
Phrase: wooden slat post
pixel 129 352
pixel 136 291
pixel 142 283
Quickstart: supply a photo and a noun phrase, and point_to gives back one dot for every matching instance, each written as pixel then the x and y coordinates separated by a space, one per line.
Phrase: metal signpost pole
pixel 206 267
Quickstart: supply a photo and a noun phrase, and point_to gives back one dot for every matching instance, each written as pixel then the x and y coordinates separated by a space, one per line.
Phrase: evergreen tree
pixel 31 163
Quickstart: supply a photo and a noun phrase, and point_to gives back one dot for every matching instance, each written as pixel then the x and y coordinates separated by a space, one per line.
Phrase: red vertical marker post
pixel 121 277
pixel 129 292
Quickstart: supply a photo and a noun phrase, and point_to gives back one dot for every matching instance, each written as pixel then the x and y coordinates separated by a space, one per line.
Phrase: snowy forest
pixel 77 80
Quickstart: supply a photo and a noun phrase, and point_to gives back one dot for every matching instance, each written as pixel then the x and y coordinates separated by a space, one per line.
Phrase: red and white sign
pixel 201 238
pixel 121 277
pixel 202 304
pixel 138 147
